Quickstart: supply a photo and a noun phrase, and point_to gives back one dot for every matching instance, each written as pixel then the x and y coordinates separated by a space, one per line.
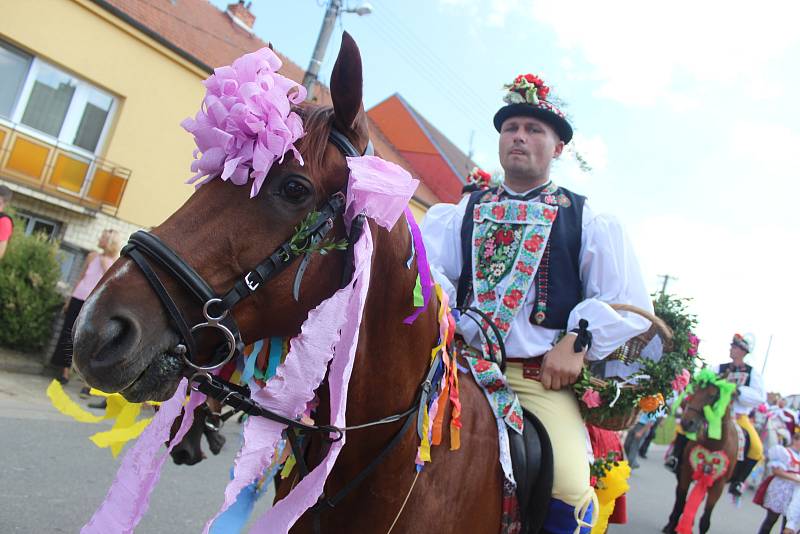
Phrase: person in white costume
pixel 540 263
pixel 750 393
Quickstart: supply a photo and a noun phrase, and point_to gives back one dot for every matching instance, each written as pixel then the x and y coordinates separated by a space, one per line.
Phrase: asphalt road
pixel 52 478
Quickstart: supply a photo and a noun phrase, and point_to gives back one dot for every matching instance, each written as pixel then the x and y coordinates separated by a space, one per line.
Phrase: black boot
pixel 673 462
pixel 740 474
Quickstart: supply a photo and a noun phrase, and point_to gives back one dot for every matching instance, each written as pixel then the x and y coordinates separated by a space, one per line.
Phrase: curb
pixel 21 363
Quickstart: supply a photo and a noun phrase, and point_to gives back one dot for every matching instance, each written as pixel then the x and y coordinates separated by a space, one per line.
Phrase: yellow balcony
pixel 89 181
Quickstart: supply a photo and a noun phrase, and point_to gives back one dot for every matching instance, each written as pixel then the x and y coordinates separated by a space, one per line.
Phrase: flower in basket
pixel 591 398
pixel 681 380
pixel 651 403
pixel 694 342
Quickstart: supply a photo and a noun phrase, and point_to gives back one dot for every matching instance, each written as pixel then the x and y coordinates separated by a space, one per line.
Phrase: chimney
pixel 240 13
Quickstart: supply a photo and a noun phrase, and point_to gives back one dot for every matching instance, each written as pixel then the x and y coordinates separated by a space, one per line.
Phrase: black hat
pixel 527 96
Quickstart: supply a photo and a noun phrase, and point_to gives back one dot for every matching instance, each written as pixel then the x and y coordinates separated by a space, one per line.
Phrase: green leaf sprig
pixel 301 242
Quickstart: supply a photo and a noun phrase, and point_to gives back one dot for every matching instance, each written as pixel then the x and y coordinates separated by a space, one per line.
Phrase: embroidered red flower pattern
pixel 489 295
pixel 533 244
pixel 522 212
pixel 515 419
pixel 550 215
pixel 499 211
pixel 504 237
pixel 481 366
pixel 513 298
pixel 522 267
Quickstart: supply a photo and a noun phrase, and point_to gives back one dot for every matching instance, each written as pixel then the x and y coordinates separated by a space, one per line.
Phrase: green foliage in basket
pixel 672 371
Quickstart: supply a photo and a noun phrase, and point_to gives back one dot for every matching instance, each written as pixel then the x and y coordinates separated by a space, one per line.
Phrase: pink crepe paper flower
pixel 681 380
pixel 591 398
pixel 694 342
pixel 245 122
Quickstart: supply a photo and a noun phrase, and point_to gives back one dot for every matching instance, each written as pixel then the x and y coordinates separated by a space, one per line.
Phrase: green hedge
pixel 29 299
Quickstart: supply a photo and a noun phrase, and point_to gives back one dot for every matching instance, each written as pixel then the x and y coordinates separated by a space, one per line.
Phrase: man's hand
pixel 562 365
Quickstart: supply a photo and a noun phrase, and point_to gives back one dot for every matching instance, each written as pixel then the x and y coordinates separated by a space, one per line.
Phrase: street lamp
pixel 331 14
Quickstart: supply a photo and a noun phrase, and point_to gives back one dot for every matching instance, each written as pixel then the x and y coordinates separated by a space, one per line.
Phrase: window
pixel 14 65
pixel 34 224
pixel 49 100
pixel 53 102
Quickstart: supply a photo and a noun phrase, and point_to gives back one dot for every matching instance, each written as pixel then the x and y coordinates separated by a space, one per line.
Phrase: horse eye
pixel 294 191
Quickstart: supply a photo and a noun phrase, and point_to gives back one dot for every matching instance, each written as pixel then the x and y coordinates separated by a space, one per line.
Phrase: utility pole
pixel 666 278
pixel 766 356
pixel 332 13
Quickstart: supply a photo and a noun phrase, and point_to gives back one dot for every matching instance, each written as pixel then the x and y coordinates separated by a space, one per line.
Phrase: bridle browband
pixel 217 309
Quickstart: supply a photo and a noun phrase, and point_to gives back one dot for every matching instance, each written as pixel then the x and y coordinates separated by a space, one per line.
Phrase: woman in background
pixel 97 263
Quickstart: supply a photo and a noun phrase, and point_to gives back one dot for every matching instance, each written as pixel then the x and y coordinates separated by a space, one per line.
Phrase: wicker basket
pixel 626 417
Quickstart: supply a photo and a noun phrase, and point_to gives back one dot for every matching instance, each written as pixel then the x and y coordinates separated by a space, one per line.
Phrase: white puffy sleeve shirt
pixel 609 273
pixel 750 397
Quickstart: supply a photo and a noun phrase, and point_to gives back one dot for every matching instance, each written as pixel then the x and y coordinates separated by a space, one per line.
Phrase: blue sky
pixel 686 111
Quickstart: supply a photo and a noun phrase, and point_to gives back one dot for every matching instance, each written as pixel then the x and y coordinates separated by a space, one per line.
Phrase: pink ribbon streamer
pixel 423 268
pixel 286 512
pixel 379 187
pixel 290 390
pixel 129 496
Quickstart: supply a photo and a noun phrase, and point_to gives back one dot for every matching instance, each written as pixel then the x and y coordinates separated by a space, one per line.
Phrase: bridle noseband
pixel 144 247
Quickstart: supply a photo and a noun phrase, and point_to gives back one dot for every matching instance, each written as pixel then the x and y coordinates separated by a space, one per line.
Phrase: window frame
pixel 77 105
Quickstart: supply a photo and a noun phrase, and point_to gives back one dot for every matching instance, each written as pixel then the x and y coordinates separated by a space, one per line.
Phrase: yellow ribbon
pixel 615 484
pixel 67 406
pixel 124 414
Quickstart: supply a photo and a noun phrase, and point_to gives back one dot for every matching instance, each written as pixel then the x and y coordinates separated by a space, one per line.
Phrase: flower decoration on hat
pixel 744 342
pixel 246 122
pixel 526 88
pixel 529 95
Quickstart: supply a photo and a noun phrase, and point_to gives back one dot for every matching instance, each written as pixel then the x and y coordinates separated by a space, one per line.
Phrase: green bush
pixel 29 299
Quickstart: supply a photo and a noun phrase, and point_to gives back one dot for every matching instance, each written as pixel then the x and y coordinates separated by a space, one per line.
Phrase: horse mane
pixel 317 122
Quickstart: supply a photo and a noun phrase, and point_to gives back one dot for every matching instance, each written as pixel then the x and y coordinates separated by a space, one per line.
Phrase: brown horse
pixel 693 420
pixel 123 338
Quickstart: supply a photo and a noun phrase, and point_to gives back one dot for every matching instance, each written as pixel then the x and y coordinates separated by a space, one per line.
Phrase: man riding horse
pixel 750 393
pixel 543 266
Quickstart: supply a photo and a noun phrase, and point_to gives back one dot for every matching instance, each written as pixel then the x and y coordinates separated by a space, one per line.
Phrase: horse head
pixel 125 339
pixel 693 417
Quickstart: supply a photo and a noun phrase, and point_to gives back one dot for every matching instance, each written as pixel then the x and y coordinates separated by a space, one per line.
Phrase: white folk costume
pixel 780 490
pixel 537 263
pixel 750 394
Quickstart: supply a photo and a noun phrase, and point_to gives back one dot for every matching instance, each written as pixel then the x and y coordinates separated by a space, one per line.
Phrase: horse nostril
pixel 102 349
pixel 116 334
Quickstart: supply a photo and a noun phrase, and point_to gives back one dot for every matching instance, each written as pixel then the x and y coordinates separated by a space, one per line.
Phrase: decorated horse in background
pixel 132 334
pixel 708 460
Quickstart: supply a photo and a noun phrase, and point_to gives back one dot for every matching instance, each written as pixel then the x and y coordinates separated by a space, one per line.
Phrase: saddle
pixel 532 462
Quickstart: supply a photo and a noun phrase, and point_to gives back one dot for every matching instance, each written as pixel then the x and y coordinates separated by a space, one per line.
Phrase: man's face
pixel 737 353
pixel 527 146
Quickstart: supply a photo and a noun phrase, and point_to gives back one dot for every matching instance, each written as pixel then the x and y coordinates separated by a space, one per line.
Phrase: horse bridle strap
pixel 217 309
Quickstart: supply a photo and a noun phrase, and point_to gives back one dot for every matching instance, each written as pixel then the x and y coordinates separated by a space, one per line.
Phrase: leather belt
pixel 531 367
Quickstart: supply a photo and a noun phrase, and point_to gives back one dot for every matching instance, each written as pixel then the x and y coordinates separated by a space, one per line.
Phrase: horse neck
pixel 392 358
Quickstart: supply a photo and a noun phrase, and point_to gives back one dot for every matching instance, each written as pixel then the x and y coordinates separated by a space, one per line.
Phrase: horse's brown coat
pixel 222 233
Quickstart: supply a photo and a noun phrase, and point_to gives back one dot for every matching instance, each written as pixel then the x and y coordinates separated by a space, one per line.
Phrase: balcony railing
pixel 60 171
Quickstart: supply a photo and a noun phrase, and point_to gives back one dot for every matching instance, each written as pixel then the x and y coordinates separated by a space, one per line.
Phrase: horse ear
pixel 347 84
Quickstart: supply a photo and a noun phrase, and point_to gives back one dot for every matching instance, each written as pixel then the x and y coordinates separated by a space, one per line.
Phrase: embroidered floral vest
pixel 509 247
pixel 737 376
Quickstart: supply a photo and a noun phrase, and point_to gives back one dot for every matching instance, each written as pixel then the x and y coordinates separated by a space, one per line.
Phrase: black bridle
pixel 144 247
